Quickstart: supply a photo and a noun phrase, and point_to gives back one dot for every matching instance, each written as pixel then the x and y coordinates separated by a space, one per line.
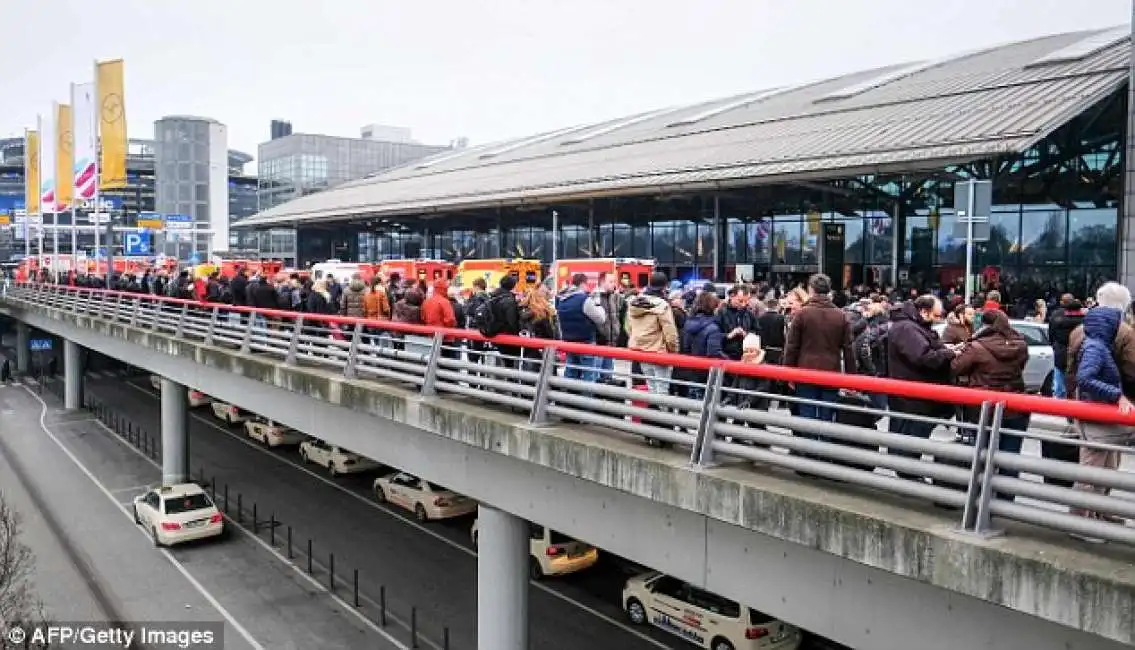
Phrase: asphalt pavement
pixel 430 567
pixel 73 482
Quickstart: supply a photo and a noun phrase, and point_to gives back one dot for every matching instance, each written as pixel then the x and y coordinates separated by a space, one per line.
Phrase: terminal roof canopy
pixel 920 115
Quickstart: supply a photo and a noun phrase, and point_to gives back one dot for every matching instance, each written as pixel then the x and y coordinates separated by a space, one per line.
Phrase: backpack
pixel 485 319
pixel 877 346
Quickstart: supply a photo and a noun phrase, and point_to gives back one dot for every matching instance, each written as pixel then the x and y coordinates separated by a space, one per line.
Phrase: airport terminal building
pixel 855 173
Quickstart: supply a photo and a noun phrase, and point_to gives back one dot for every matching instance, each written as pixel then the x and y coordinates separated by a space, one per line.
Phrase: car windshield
pixel 1033 335
pixel 187 503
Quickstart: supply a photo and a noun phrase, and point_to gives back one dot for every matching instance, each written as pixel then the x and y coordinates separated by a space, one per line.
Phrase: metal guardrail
pixel 714 419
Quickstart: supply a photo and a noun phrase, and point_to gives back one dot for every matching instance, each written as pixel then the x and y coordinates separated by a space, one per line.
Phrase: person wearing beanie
pixel 506 315
pixel 1065 318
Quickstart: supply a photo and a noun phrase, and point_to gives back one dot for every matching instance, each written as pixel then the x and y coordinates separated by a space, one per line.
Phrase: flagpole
pixel 74 232
pixel 39 163
pixel 98 176
pixel 27 208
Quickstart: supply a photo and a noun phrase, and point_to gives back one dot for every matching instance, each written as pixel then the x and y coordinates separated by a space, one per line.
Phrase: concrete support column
pixel 175 434
pixel 502 580
pixel 23 346
pixel 72 375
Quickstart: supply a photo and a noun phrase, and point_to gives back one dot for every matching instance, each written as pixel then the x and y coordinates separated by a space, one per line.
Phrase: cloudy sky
pixel 486 70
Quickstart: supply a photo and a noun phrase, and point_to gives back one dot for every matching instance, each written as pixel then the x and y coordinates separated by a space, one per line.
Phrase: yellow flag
pixel 31 172
pixel 64 156
pixel 112 124
pixel 814 218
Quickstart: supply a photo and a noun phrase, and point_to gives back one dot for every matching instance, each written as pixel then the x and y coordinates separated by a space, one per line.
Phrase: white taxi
pixel 229 413
pixel 704 619
pixel 551 553
pixel 336 459
pixel 178 513
pixel 272 434
pixel 426 500
pixel 197 398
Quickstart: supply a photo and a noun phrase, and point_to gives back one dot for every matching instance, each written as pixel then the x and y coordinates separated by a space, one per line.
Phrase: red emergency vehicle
pixel 428 270
pixel 633 273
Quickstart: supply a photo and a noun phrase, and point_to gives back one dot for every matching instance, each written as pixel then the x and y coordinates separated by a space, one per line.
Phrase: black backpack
pixel 485 318
pixel 877 346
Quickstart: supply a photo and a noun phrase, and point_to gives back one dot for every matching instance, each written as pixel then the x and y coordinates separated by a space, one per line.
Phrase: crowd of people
pixel 874 332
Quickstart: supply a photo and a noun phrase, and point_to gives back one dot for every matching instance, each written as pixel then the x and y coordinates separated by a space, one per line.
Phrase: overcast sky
pixel 486 70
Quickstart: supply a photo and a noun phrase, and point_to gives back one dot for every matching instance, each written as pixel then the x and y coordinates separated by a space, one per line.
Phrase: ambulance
pixel 632 273
pixel 342 271
pixel 428 270
pixel 528 273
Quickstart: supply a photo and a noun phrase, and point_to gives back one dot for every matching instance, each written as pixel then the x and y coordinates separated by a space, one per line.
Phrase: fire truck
pixel 428 270
pixel 528 273
pixel 632 273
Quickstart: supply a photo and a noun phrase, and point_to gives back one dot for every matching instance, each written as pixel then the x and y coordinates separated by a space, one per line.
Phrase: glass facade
pixel 300 164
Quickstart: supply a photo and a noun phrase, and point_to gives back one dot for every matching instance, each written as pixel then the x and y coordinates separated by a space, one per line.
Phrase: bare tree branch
pixel 19 605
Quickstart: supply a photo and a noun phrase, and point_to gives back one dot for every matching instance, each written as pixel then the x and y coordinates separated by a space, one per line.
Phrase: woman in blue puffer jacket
pixel 1098 380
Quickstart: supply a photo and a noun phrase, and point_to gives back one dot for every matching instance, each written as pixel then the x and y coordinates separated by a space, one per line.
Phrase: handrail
pixel 957 395
pixel 704 417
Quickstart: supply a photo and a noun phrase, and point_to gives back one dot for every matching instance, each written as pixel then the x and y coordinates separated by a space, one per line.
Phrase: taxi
pixel 336 459
pixel 229 413
pixel 178 513
pixel 704 619
pixel 272 434
pixel 197 398
pixel 551 553
pixel 426 500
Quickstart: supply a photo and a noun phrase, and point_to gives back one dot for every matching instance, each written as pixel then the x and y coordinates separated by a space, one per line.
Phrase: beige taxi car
pixel 551 553
pixel 228 413
pixel 196 397
pixel 272 434
pixel 178 513
pixel 336 459
pixel 426 500
pixel 702 618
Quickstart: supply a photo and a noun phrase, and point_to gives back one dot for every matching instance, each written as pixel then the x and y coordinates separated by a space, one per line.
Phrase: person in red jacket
pixel 437 311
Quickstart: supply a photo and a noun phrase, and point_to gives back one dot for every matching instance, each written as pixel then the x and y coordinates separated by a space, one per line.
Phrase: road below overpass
pixel 430 566
pixel 72 482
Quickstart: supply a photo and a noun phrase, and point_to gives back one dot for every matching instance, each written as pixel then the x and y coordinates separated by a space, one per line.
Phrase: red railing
pixel 957 395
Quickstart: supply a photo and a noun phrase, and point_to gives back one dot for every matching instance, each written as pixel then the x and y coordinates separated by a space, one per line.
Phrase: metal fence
pixel 716 411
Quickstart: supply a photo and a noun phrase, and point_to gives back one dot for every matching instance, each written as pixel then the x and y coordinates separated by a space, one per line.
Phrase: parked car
pixel 177 513
pixel 426 500
pixel 229 413
pixel 272 433
pixel 1038 370
pixel 551 553
pixel 336 459
pixel 702 618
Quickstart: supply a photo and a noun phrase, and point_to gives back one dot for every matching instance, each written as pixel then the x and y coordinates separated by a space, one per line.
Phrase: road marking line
pixel 294 567
pixel 132 488
pixel 168 555
pixel 406 520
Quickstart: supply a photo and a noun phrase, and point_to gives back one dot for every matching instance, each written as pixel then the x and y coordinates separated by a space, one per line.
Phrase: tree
pixel 19 606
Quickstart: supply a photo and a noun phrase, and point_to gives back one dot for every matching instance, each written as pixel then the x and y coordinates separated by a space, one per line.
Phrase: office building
pixel 191 156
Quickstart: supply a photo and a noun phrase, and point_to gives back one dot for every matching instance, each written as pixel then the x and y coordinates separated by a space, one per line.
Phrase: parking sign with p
pixel 137 243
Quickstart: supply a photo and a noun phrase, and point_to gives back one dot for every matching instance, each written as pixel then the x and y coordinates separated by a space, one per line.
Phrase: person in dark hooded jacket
pixel 994 359
pixel 700 338
pixel 915 353
pixel 1065 318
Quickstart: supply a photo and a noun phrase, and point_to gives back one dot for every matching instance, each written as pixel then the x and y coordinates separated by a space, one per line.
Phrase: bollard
pixel 255 520
pixel 414 627
pixel 331 572
pixel 226 498
pixel 200 475
pixel 382 605
pixel 272 530
pixel 144 449
pixel 356 588
pixel 290 541
pixel 309 571
pixel 239 508
pixel 213 488
pixel 445 638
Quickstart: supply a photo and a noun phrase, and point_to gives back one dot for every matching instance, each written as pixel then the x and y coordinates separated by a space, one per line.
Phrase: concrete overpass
pixel 869 570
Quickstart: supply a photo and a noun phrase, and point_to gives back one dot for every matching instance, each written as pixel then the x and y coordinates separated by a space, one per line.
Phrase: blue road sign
pixel 137 243
pixel 40 345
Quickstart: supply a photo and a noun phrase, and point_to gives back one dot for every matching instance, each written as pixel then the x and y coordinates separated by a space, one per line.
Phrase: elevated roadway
pixel 867 570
